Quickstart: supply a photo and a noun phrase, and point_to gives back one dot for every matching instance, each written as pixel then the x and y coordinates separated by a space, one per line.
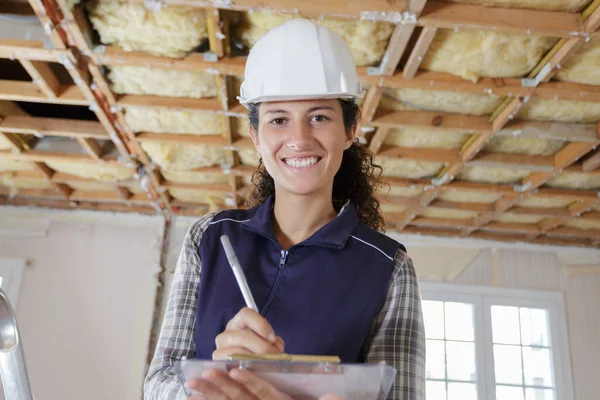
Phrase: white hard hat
pixel 299 60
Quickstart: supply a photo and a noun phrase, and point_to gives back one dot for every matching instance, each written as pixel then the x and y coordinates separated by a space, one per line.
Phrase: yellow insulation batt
pixel 473 54
pixel 97 186
pixel 404 191
pixel 404 168
pixel 163 120
pixel 8 164
pixel 20 183
pixel 531 146
pixel 469 197
pixel 436 100
pixel 583 66
pixel 436 212
pixel 198 196
pixel 575 180
pixel 424 137
pixel 168 31
pixel 183 176
pixel 8 108
pixel 549 5
pixel 584 223
pixel 240 126
pixel 100 172
pixel 560 111
pixel 249 156
pixel 544 202
pixel 492 175
pixel 392 208
pixel 183 156
pixel 162 82
pixel 519 218
pixel 367 39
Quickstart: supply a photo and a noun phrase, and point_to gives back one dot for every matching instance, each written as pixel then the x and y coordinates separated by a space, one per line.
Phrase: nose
pixel 300 136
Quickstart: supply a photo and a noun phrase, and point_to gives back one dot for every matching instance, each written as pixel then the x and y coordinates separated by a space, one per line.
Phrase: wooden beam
pixel 371 103
pixel 592 162
pixel 15 142
pixel 512 160
pixel 507 20
pixel 418 153
pixel 427 119
pixel 354 9
pixel 91 146
pixel 43 77
pixel 53 127
pixel 30 92
pixel 447 222
pixel 396 47
pixel 28 50
pixel 123 193
pixel 427 80
pixel 45 16
pixel 175 103
pixel 571 153
pixel 209 140
pixel 73 205
pixel 378 139
pixel 213 187
pixel 418 52
pixel 575 232
pixel 43 156
pixel 550 130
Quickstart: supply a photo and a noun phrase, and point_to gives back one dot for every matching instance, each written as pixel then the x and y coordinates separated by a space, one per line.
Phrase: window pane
pixel 538 366
pixel 507 364
pixel 436 360
pixel 505 325
pixel 534 327
pixel 462 391
pixel 436 390
pixel 459 321
pixel 433 314
pixel 509 393
pixel 461 361
pixel 539 394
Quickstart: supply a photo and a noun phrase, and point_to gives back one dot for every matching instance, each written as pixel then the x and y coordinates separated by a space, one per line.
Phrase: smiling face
pixel 302 144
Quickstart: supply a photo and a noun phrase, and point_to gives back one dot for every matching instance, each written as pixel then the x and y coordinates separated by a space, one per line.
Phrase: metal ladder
pixel 12 363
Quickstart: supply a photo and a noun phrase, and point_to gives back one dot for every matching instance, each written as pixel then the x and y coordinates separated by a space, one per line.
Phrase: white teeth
pixel 301 163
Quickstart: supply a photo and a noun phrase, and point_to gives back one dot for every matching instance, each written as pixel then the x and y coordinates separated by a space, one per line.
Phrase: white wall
pixel 86 299
pixel 539 269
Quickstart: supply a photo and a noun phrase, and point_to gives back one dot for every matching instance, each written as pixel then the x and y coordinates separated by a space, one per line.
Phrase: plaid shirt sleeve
pixel 176 338
pixel 397 336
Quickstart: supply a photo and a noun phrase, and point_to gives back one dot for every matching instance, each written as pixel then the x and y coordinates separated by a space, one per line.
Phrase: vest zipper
pixel 278 278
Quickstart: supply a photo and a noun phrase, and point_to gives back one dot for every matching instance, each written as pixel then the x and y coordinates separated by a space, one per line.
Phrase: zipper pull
pixel 283 258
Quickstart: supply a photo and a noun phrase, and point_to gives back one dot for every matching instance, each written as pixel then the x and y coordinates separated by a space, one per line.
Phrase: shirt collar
pixel 335 233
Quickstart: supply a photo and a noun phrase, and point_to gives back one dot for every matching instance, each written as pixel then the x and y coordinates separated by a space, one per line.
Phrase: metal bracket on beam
pixel 210 57
pixel 522 188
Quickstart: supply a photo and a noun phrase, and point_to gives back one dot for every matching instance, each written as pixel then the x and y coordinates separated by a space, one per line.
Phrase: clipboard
pixel 303 380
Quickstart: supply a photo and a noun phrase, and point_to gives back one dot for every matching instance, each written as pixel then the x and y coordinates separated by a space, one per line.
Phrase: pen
pixel 238 272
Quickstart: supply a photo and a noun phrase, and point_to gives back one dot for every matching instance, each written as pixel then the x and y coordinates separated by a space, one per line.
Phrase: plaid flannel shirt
pixel 396 336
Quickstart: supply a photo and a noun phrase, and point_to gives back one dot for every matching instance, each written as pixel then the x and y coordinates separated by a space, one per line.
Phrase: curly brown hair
pixel 356 180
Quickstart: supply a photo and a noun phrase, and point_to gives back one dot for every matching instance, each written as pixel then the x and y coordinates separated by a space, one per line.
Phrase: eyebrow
pixel 278 111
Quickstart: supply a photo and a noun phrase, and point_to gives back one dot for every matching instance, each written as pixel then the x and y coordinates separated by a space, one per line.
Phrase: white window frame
pixel 482 298
pixel 11 270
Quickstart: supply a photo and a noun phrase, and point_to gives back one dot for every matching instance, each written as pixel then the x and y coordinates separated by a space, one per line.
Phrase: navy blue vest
pixel 321 296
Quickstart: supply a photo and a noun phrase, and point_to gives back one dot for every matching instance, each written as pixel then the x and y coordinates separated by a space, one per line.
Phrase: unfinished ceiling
pixel 483 113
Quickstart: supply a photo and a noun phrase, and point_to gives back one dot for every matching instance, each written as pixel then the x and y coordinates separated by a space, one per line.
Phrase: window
pixel 490 343
pixel 11 273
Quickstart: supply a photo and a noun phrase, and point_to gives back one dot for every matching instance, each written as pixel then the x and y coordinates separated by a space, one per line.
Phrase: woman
pixel 325 280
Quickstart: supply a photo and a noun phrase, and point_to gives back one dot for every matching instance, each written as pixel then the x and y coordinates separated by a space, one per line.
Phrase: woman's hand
pixel 247 333
pixel 239 385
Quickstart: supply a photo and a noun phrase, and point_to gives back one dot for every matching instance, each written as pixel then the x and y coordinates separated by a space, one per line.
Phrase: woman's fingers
pixel 208 390
pixel 233 389
pixel 224 353
pixel 247 339
pixel 259 388
pixel 248 318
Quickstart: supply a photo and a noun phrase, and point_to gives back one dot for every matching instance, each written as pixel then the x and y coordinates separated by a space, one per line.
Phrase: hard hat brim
pixel 267 98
